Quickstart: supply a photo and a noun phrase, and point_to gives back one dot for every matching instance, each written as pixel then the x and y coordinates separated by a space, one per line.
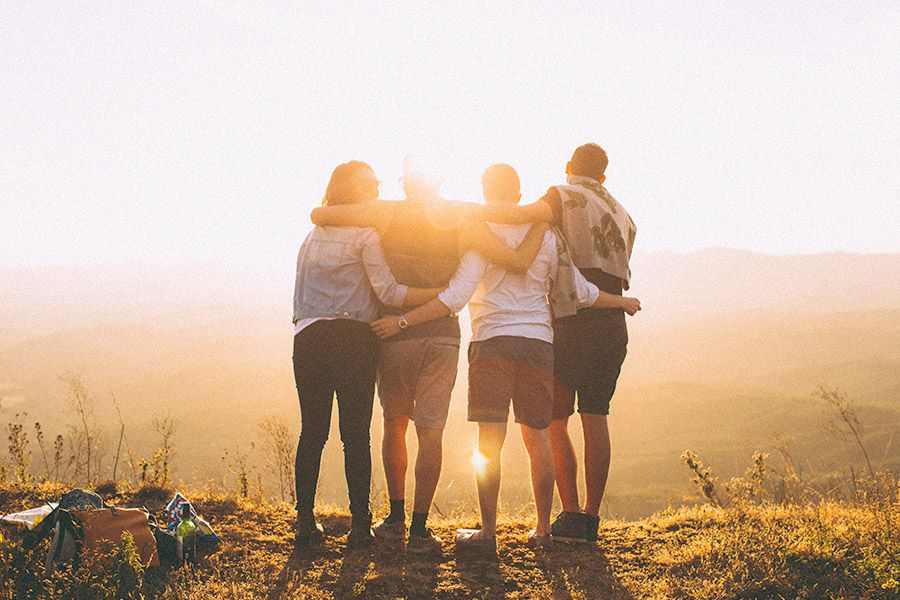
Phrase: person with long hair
pixel 341 280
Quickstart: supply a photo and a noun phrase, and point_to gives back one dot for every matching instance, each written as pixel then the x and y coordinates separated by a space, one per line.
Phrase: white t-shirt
pixel 504 303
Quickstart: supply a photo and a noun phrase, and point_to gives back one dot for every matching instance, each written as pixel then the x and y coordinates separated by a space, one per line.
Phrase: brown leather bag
pixel 109 523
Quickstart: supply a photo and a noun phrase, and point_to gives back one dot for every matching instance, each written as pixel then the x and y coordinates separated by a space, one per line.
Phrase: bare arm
pixel 450 300
pixel 378 272
pixel 476 235
pixel 382 280
pixel 417 296
pixel 387 327
pixel 590 296
pixel 536 212
pixel 629 305
pixel 377 214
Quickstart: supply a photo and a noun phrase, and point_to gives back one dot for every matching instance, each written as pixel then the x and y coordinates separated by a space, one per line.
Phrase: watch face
pixel 403 323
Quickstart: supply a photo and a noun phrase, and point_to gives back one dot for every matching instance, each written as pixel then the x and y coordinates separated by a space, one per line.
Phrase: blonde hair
pixel 342 187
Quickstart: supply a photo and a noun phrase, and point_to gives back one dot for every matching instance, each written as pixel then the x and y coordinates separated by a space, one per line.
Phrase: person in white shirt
pixel 510 357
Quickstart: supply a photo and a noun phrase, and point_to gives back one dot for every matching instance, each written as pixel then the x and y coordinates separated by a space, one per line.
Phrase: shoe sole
pixel 424 550
pixel 469 555
pixel 571 540
pixel 389 537
pixel 476 549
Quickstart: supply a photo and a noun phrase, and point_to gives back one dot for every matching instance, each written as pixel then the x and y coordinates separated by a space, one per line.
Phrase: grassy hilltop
pixel 748 550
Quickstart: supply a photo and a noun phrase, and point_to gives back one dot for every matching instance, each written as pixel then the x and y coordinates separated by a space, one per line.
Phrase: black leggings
pixel 335 357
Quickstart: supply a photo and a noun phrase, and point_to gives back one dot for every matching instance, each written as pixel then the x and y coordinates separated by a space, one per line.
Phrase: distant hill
pixel 719 281
pixel 674 287
pixel 42 300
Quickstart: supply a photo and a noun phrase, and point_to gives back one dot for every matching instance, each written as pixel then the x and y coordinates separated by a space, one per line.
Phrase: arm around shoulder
pixel 476 235
pixel 536 212
pixel 377 214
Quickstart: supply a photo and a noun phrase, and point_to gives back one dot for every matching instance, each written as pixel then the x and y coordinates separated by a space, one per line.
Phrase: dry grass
pixel 829 550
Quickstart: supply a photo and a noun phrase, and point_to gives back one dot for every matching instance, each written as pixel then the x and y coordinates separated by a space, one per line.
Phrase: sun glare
pixel 479 461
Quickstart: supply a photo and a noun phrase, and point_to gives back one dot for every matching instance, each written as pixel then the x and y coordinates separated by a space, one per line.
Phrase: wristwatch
pixel 402 323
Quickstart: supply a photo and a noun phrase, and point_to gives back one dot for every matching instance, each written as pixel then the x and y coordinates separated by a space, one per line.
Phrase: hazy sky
pixel 191 132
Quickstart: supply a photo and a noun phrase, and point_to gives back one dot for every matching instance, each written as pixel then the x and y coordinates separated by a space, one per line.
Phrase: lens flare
pixel 479 461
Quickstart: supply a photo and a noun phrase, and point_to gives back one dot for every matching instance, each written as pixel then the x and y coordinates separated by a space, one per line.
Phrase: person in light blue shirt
pixel 342 281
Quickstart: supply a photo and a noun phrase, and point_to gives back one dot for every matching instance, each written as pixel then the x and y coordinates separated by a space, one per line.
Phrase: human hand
pixel 386 327
pixel 630 305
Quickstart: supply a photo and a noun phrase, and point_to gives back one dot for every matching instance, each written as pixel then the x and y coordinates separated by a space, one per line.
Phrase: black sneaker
pixel 592 526
pixel 423 542
pixel 391 531
pixel 308 532
pixel 361 534
pixel 570 527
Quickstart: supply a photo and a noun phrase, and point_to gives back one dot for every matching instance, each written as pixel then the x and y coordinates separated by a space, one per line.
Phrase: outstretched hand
pixel 630 305
pixel 386 327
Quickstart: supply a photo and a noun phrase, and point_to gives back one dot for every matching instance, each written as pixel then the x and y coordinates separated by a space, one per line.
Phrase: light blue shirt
pixel 342 274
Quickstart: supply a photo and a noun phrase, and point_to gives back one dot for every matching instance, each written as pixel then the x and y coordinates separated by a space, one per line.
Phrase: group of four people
pixel 378 288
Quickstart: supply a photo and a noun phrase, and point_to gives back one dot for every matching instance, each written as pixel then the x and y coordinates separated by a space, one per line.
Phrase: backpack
pixel 64 530
pixel 83 520
pixel 108 524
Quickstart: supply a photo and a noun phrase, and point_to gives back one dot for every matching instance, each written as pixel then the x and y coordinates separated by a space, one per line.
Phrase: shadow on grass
pixel 398 574
pixel 352 578
pixel 580 571
pixel 386 570
pixel 481 577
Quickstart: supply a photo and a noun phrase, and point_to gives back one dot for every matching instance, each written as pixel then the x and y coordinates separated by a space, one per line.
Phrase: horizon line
pixel 218 265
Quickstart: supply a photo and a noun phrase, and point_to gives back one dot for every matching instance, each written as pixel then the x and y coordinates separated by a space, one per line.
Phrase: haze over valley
pixel 726 354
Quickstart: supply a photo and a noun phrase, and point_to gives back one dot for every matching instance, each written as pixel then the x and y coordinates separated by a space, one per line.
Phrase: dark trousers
pixel 335 357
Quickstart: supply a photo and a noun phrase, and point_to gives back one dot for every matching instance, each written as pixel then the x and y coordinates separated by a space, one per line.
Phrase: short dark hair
pixel 589 160
pixel 500 182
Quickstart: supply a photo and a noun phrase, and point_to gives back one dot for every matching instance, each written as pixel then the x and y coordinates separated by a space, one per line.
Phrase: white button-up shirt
pixel 504 303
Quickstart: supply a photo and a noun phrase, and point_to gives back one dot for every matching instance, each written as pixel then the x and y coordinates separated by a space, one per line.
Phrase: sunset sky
pixel 167 133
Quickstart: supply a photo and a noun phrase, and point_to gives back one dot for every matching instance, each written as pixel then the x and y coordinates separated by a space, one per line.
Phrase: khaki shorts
pixel 416 377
